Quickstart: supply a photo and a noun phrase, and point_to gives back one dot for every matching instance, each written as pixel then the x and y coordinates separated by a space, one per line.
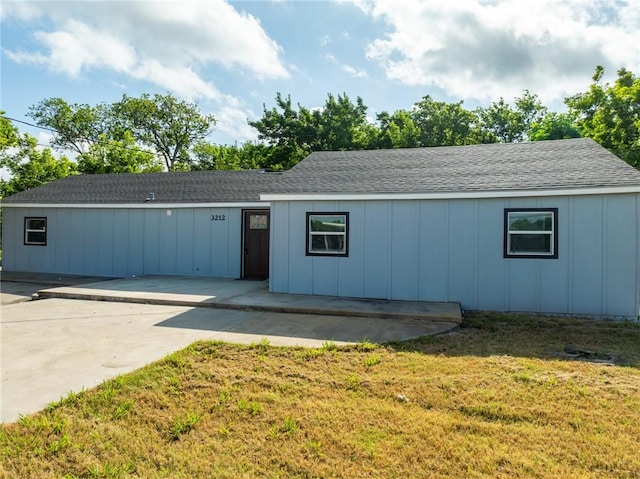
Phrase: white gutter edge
pixel 148 205
pixel 450 195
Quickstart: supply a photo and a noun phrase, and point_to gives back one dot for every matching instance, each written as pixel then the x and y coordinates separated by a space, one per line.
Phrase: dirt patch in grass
pixel 492 400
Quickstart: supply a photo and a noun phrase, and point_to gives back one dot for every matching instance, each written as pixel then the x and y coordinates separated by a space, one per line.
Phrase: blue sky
pixel 232 57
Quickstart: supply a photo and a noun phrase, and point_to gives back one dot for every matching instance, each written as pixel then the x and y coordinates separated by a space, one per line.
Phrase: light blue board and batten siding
pixel 126 242
pixel 452 250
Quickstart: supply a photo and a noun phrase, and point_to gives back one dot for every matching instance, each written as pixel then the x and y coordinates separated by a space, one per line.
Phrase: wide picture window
pixel 531 233
pixel 327 234
pixel 35 231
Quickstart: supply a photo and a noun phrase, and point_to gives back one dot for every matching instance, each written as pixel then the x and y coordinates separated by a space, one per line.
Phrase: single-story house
pixel 547 227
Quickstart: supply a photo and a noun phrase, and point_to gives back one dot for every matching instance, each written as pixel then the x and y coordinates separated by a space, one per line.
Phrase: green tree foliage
pixel 75 126
pixel 9 135
pixel 610 114
pixel 121 137
pixel 117 156
pixel 397 130
pixel 293 134
pixel 30 166
pixel 508 124
pixel 162 122
pixel 230 157
pixel 445 124
pixel 553 126
pixel 342 125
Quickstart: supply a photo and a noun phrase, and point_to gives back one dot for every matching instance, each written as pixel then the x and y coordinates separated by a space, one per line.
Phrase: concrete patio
pixel 71 341
pixel 247 295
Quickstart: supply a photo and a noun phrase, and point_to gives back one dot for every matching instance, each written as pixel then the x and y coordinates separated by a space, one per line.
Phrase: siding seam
pixel 637 312
pixel 604 257
pixel 447 236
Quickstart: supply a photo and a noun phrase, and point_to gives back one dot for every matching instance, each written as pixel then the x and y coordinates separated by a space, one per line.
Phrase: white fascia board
pixel 606 190
pixel 149 205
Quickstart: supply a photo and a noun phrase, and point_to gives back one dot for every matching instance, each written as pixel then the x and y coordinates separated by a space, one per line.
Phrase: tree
pixel 445 124
pixel 166 125
pixel 117 156
pixel 553 126
pixel 530 110
pixel 342 125
pixel 30 167
pixel 9 135
pixel 292 135
pixel 162 122
pixel 507 124
pixel 74 126
pixel 230 157
pixel 610 114
pixel 397 130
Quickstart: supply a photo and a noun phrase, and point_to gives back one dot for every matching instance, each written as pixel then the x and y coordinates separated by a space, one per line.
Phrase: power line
pixel 30 124
pixel 130 148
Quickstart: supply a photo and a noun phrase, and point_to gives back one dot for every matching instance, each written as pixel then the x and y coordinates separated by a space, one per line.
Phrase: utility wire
pixel 131 148
pixel 30 124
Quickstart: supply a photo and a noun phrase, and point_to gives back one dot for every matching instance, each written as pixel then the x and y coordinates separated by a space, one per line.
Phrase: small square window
pixel 531 233
pixel 35 231
pixel 327 234
pixel 258 222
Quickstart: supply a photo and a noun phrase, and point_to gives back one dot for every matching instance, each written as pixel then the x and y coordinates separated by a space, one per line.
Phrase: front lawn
pixel 506 396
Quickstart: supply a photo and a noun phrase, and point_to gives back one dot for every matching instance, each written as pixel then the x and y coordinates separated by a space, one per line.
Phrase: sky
pixel 232 57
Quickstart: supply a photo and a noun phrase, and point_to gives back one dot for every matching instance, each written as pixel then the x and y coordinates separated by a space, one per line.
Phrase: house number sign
pixel 218 218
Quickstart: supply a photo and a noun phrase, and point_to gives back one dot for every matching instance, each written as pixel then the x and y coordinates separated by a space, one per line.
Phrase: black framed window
pixel 531 233
pixel 327 234
pixel 35 231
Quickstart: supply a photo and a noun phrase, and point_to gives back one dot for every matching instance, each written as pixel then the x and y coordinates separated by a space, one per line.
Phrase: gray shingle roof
pixel 575 163
pixel 178 187
pixel 554 164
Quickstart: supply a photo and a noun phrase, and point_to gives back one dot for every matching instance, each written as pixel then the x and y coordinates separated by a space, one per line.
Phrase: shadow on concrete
pixel 302 329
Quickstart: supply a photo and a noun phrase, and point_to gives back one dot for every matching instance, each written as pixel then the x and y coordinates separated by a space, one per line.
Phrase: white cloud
pixel 74 48
pixel 140 39
pixel 353 72
pixel 180 79
pixel 232 120
pixel 44 137
pixel 366 6
pixel 486 49
pixel 166 43
pixel 22 11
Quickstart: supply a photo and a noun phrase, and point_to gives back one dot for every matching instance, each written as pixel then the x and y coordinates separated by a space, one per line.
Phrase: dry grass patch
pixel 492 400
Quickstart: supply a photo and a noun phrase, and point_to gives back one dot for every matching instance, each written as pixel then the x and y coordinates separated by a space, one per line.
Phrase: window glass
pixel 258 222
pixel 35 231
pixel 327 234
pixel 36 237
pixel 327 243
pixel 530 244
pixel 531 233
pixel 530 221
pixel 328 223
pixel 36 223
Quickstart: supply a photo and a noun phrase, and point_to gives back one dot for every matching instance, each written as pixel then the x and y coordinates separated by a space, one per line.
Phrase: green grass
pixel 495 400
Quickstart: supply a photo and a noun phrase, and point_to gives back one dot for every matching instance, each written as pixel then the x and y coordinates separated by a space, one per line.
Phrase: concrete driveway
pixel 53 346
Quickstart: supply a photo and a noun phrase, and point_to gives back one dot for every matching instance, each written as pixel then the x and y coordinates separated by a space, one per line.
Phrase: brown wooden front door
pixel 255 237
